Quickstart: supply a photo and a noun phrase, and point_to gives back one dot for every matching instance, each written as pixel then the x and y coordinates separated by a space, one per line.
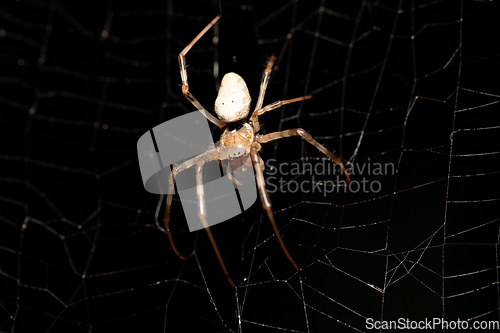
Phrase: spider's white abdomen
pixel 233 101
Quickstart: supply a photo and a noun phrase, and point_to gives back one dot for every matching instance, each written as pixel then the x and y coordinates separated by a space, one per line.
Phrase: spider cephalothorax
pixel 236 142
pixel 239 144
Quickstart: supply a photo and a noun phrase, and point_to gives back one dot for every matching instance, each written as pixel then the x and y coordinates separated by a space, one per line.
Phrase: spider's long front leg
pixel 263 87
pixel 207 156
pixel 255 115
pixel 306 136
pixel 185 85
pixel 266 202
pixel 202 213
pixel 264 82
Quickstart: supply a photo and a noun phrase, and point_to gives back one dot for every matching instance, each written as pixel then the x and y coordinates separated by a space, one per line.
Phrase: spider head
pixel 233 101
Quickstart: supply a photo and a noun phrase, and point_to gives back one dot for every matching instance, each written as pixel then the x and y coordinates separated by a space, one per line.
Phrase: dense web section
pixel 411 85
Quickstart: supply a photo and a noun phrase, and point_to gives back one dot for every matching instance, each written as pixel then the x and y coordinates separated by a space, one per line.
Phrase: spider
pixel 232 106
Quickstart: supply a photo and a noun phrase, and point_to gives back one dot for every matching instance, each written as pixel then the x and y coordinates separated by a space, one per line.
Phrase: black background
pixel 91 255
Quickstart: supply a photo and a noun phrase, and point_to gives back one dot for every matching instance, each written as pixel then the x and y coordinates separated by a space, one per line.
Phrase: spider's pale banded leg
pixel 185 85
pixel 308 138
pixel 266 202
pixel 229 173
pixel 272 106
pixel 202 213
pixel 263 86
pixel 265 81
pixel 209 155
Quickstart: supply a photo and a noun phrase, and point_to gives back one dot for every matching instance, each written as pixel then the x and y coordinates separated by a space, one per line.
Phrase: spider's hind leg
pixel 236 170
pixel 202 214
pixel 209 155
pixel 266 202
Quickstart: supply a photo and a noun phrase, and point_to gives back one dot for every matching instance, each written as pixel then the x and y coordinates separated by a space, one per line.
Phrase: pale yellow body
pixel 239 143
pixel 233 101
pixel 236 143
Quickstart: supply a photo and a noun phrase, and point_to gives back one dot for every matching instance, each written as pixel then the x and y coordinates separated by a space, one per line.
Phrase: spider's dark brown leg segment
pixel 272 106
pixel 209 155
pixel 185 85
pixel 202 215
pixel 168 204
pixel 266 202
pixel 308 138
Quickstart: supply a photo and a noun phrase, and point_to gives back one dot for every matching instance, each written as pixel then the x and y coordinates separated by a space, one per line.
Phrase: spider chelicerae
pixel 241 143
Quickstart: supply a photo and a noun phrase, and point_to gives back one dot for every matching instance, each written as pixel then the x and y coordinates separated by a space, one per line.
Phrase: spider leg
pixel 209 155
pixel 263 86
pixel 306 136
pixel 185 85
pixel 229 173
pixel 272 106
pixel 265 81
pixel 202 215
pixel 266 202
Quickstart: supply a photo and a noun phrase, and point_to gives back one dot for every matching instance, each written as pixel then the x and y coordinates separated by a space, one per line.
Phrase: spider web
pixel 402 83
